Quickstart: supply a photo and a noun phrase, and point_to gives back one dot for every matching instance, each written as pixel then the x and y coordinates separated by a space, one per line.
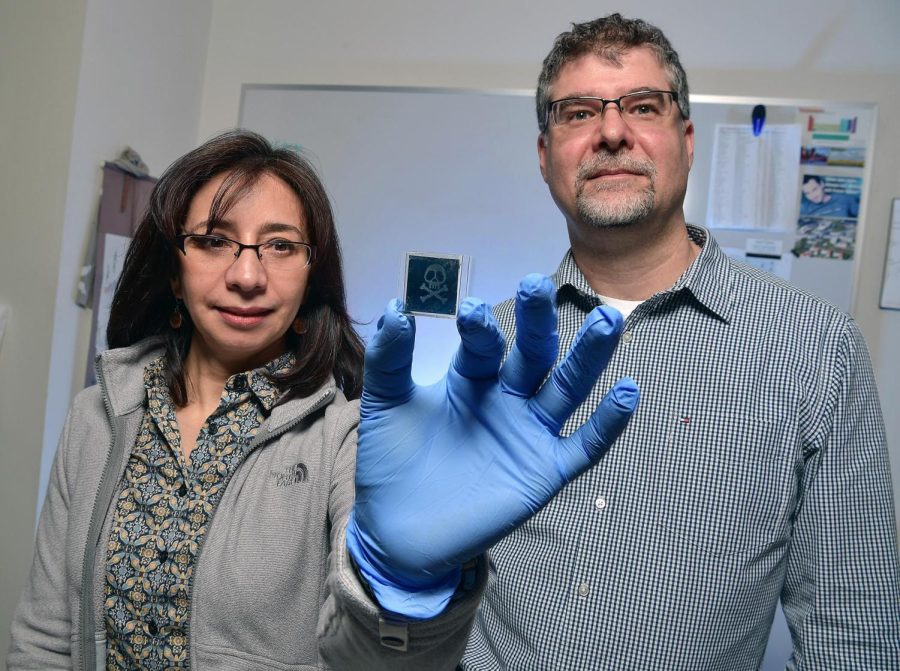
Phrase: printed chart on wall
pixel 789 199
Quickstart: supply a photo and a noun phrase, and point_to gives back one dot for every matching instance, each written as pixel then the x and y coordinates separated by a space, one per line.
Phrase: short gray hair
pixel 609 37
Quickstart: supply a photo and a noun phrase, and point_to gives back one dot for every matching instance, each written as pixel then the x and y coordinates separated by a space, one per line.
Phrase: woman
pixel 201 492
pixel 196 488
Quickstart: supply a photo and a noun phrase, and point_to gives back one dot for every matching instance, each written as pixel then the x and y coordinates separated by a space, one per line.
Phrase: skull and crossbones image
pixel 435 283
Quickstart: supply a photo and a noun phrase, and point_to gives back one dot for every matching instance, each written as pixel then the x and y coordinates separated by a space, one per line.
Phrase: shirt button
pixel 163 555
pixel 182 491
pixel 584 589
pixel 627 337
pixel 152 629
pixel 240 382
pixel 600 503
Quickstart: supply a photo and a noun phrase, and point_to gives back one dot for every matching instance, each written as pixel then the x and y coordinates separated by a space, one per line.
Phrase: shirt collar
pixel 708 278
pixel 155 377
pixel 258 381
pixel 261 382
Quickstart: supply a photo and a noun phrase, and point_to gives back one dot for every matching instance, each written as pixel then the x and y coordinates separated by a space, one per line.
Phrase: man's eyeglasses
pixel 220 252
pixel 641 107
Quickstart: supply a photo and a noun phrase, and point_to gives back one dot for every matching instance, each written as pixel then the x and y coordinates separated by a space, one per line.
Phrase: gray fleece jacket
pixel 273 586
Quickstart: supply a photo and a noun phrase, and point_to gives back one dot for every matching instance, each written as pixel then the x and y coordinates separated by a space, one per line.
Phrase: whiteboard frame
pixel 893 229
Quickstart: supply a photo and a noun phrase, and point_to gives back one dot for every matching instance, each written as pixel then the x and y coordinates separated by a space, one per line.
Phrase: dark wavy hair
pixel 609 37
pixel 143 302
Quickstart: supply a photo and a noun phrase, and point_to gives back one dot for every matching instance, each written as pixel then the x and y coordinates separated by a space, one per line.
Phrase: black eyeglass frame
pixel 179 242
pixel 606 101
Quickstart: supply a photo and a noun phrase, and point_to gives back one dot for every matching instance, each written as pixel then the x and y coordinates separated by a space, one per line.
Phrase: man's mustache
pixel 605 162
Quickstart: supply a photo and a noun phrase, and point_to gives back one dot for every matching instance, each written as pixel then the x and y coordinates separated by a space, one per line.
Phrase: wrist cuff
pixel 421 601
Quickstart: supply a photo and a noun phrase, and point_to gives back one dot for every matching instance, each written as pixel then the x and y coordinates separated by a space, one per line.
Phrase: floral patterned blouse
pixel 164 507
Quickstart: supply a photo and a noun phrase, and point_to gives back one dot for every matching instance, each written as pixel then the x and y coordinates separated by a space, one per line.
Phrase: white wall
pixel 80 82
pixel 500 44
pixel 40 43
pixel 140 85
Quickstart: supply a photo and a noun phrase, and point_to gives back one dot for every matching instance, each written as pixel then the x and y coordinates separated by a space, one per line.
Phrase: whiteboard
pixel 424 170
pixel 456 171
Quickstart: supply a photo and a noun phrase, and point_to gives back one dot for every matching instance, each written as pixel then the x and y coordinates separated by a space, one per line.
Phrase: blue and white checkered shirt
pixel 755 469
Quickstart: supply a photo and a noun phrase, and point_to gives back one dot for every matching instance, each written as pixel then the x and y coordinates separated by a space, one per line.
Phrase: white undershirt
pixel 623 306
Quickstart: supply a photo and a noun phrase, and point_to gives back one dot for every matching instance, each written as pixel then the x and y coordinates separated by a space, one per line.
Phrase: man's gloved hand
pixel 445 471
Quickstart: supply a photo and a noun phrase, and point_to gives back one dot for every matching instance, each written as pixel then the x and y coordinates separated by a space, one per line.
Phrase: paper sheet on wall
pixel 113 261
pixel 765 254
pixel 890 289
pixel 753 181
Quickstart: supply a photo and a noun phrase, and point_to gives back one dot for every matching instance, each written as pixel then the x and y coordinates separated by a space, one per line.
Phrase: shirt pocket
pixel 729 484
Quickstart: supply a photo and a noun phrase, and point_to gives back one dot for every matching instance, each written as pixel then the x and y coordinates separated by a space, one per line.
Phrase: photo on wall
pixel 851 157
pixel 831 196
pixel 825 238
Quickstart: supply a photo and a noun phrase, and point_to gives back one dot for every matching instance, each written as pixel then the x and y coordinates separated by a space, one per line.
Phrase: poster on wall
pixel 123 202
pixel 832 159
pixel 834 128
pixel 832 196
pixel 840 157
pixel 824 238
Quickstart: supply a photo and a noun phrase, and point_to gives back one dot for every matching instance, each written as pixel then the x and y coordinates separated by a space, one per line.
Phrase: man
pixel 755 468
pixel 818 202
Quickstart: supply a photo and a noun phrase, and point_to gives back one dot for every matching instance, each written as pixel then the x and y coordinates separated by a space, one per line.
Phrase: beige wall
pixel 40 49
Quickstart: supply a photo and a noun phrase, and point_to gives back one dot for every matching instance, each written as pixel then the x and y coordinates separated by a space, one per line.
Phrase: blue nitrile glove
pixel 443 472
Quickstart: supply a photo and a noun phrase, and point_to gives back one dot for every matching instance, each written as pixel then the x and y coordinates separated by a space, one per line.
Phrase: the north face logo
pixel 291 476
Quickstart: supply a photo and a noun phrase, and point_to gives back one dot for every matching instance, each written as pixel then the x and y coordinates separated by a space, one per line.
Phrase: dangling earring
pixel 298 327
pixel 176 319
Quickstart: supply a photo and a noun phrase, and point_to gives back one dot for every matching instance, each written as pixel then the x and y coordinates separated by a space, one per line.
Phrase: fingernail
pixel 626 393
pixel 611 317
pixel 535 285
pixel 472 312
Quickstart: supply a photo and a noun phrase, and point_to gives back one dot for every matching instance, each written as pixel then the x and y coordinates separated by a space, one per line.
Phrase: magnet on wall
pixel 759 119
